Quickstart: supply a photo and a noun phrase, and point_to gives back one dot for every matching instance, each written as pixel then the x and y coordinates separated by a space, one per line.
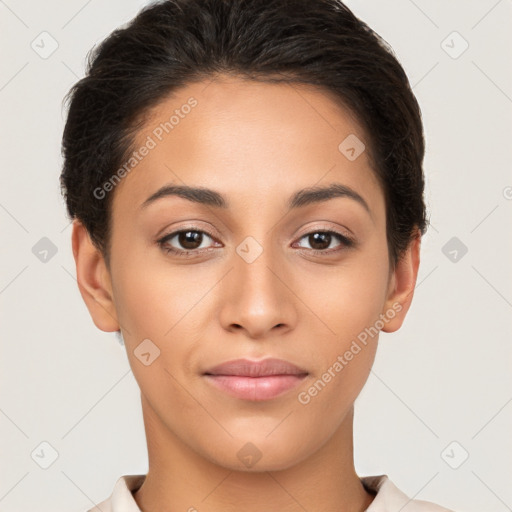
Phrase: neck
pixel 180 479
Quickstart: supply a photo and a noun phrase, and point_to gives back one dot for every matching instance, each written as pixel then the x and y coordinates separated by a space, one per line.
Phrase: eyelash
pixel 346 243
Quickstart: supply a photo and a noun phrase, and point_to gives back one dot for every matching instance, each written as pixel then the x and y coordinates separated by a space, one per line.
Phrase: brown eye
pixel 320 241
pixel 189 240
pixel 185 242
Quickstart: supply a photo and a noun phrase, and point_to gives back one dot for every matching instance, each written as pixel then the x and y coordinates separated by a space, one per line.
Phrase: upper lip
pixel 248 368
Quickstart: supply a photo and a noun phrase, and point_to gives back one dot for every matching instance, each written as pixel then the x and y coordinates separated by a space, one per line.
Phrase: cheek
pixel 348 298
pixel 168 307
pixel 154 313
pixel 345 351
pixel 348 305
pixel 153 299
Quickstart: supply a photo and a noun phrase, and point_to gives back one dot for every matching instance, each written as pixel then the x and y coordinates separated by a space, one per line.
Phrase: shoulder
pixel 389 498
pixel 121 499
pixel 104 506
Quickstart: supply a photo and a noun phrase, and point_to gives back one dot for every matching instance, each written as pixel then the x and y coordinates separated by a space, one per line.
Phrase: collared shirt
pixel 388 497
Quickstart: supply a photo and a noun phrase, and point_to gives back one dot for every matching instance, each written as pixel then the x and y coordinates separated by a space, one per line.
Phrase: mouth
pixel 255 380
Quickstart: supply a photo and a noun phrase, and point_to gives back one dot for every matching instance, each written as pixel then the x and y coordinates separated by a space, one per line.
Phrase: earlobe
pixel 402 284
pixel 93 279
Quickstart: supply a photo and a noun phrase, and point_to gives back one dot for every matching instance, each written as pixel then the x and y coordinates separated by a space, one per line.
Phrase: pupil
pixel 318 236
pixel 190 239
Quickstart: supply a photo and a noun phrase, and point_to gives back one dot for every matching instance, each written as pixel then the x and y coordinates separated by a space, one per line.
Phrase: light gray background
pixel 444 377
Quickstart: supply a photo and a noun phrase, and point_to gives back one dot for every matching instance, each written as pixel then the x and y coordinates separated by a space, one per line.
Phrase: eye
pixel 321 241
pixel 190 240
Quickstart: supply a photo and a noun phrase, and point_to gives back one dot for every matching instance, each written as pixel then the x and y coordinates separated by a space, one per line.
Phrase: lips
pixel 248 368
pixel 255 380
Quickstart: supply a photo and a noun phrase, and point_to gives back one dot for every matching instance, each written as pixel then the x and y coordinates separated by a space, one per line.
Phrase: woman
pixel 246 183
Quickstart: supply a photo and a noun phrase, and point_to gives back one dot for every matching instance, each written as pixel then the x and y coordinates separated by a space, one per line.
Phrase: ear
pixel 93 279
pixel 401 286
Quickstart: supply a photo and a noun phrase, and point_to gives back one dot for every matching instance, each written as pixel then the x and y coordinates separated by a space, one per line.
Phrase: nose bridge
pixel 258 298
pixel 253 264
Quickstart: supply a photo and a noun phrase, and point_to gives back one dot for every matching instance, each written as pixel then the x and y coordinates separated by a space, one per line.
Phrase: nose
pixel 257 297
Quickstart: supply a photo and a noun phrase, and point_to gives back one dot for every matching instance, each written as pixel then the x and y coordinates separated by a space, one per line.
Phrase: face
pixel 251 270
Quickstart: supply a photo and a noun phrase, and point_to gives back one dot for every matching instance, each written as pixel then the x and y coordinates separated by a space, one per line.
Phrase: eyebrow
pixel 301 198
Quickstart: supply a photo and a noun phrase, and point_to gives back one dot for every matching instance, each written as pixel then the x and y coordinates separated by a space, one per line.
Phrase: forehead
pixel 251 140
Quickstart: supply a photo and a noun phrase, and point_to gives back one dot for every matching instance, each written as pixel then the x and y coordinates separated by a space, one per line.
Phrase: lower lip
pixel 255 388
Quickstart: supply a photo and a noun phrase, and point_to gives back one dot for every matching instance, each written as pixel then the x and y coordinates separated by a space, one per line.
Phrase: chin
pixel 258 453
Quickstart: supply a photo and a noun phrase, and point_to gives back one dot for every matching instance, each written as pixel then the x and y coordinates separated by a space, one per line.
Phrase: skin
pixel 257 144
